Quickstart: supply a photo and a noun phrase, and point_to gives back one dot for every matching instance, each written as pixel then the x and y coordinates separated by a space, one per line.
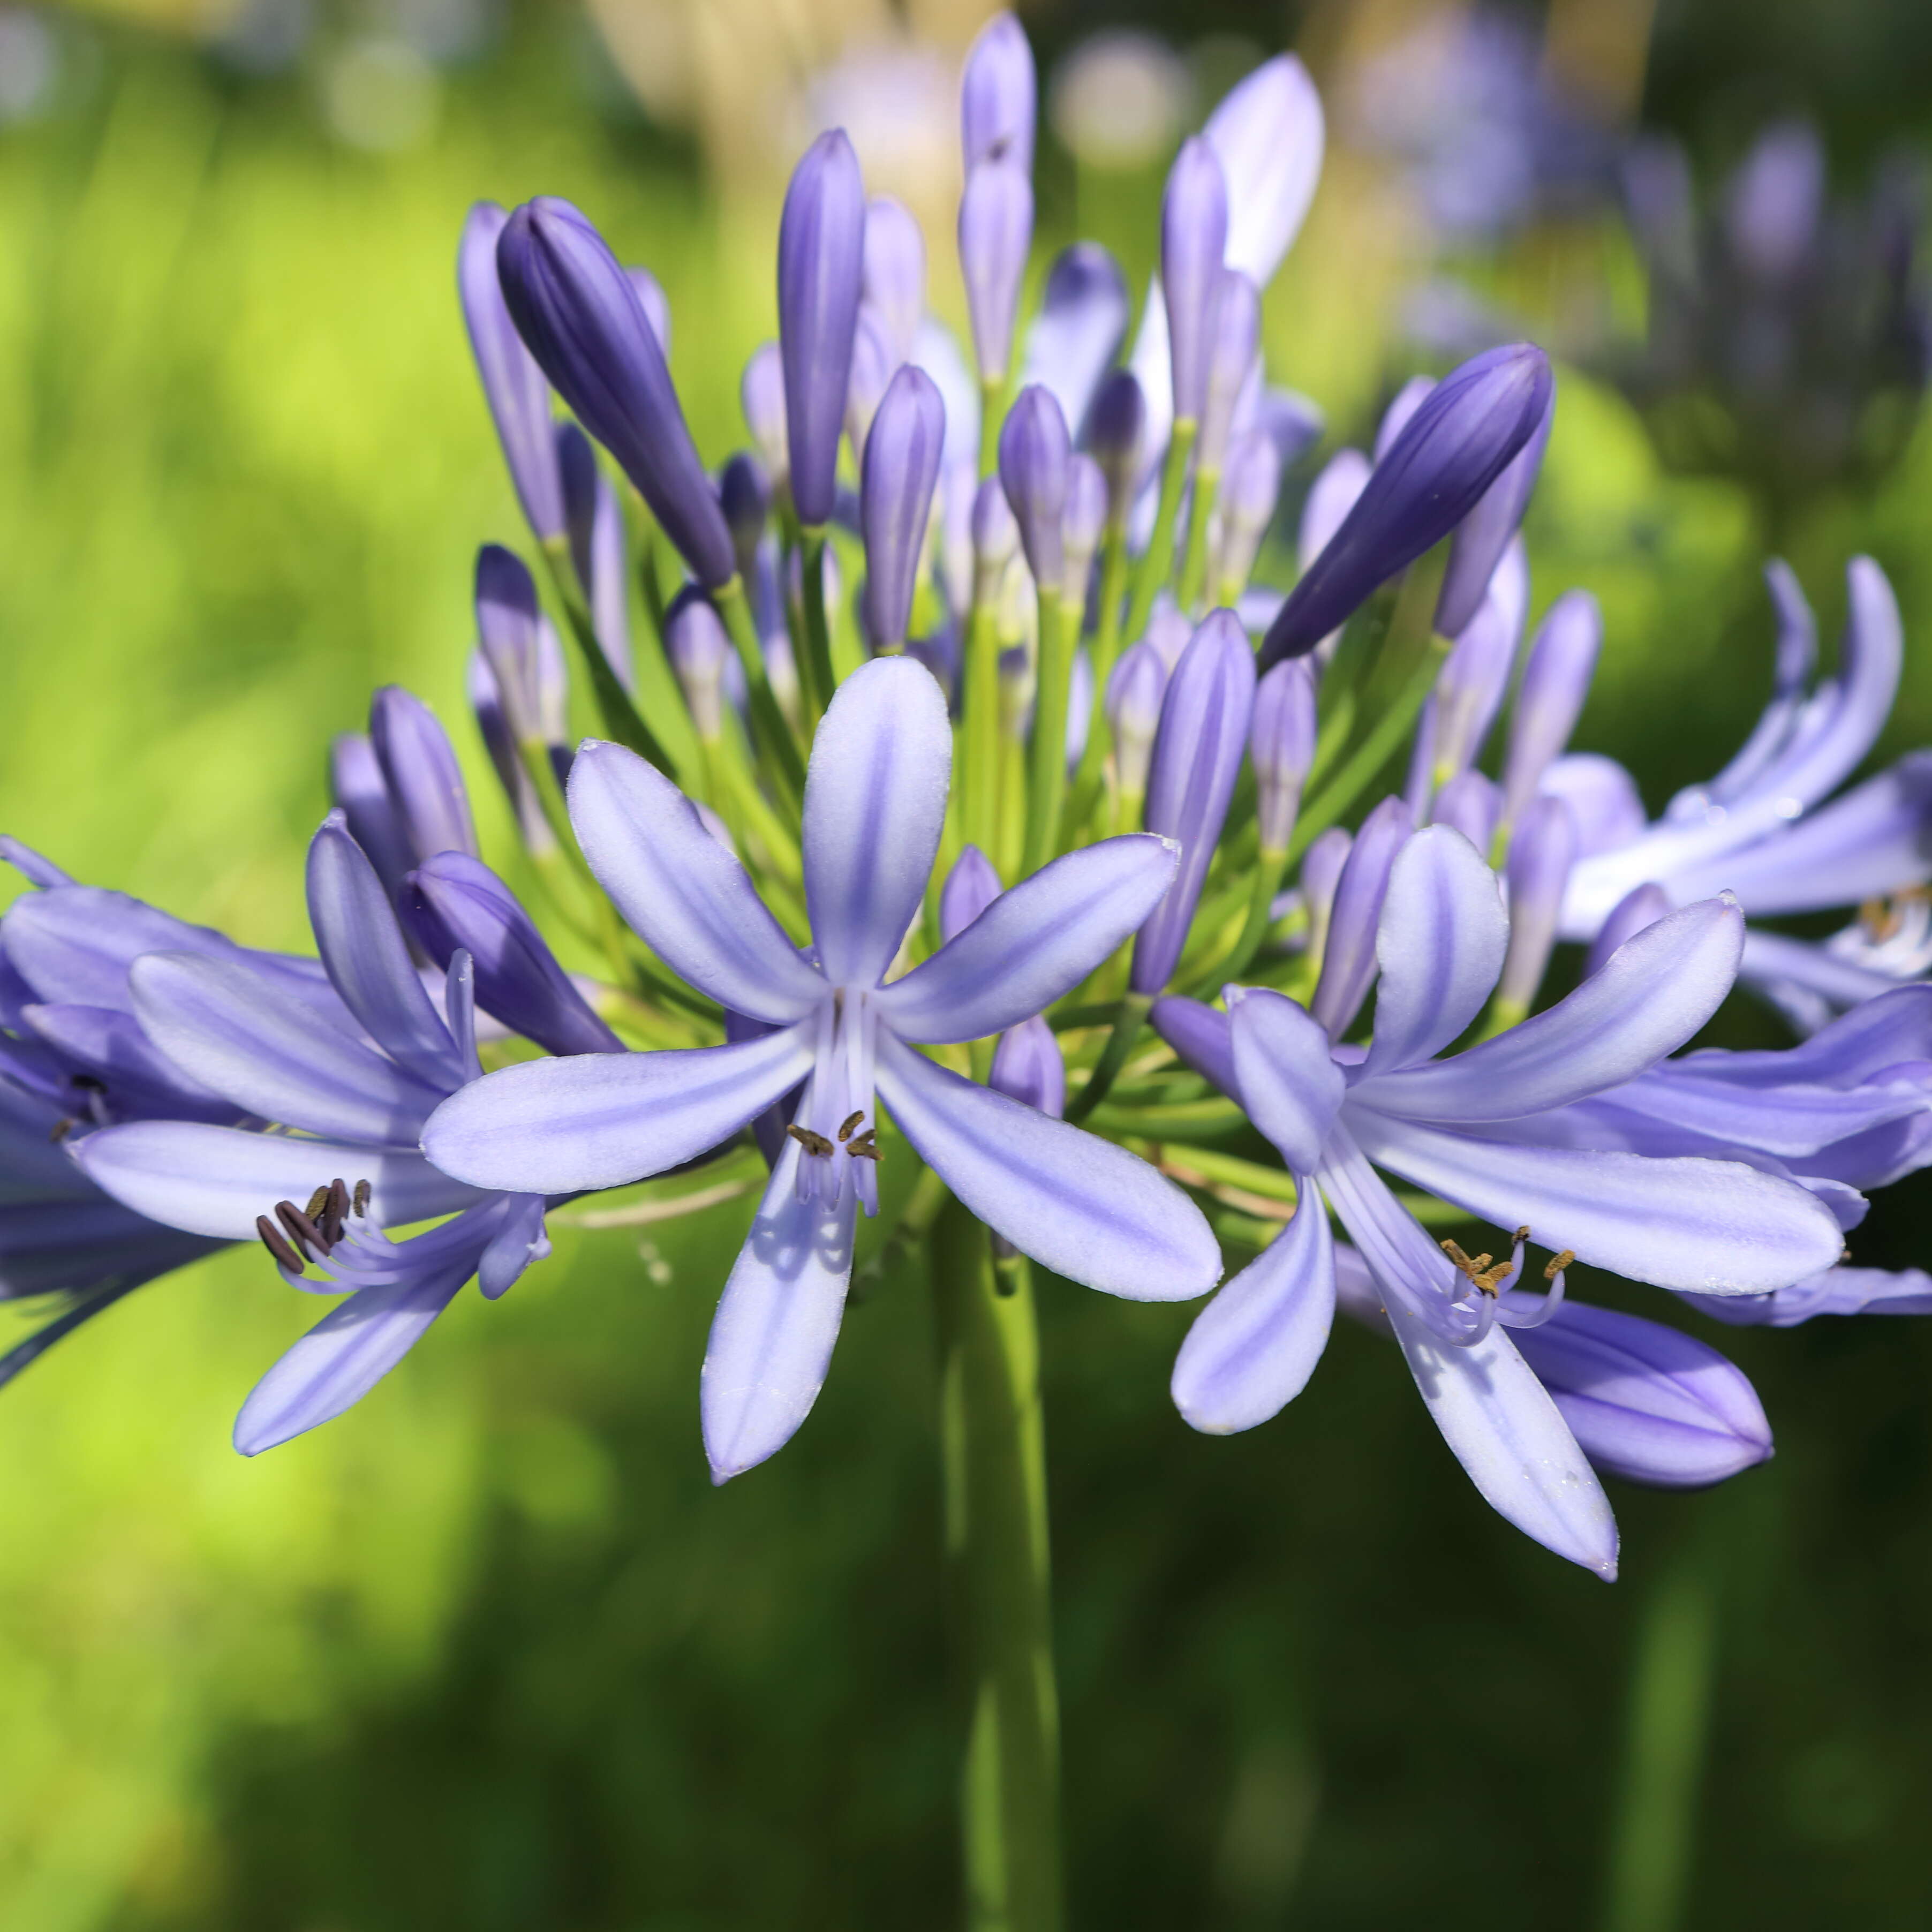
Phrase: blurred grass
pixel 492 1653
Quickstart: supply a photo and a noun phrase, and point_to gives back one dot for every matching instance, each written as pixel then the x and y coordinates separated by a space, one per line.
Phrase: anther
pixel 812 1143
pixel 61 1129
pixel 851 1121
pixel 334 1206
pixel 317 1201
pixel 300 1227
pixel 1480 1272
pixel 361 1199
pixel 864 1146
pixel 271 1240
pixel 1558 1263
pixel 1523 1233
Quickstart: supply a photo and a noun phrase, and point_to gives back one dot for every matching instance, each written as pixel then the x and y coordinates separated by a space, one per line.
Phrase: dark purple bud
pixel 1027 1067
pixel 1232 353
pixel 1116 426
pixel 1321 870
pixel 1197 757
pixel 873 364
pixel 424 781
pixel 1484 534
pixel 1541 852
pixel 1409 399
pixel 1080 527
pixel 1646 1403
pixel 1193 242
pixel 1136 687
pixel 1349 957
pixel 1772 210
pixel 696 644
pixel 995 232
pixel 970 887
pixel 513 385
pixel 1639 908
pixel 761 394
pixel 455 901
pixel 580 316
pixel 597 549
pixel 821 259
pixel 1472 804
pixel 997 96
pixel 893 283
pixel 902 471
pixel 655 304
pixel 1250 487
pixel 747 499
pixel 1555 681
pixel 355 783
pixel 1282 746
pixel 1468 427
pixel 996 536
pixel 507 619
pixel 1036 455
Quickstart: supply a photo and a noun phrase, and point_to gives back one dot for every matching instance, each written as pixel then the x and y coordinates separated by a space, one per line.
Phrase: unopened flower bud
pixel 872 368
pixel 1116 425
pixel 1036 455
pixel 424 781
pixel 970 887
pixel 1396 417
pixel 1555 681
pixel 761 394
pixel 747 499
pixel 995 232
pixel 1484 534
pixel 996 103
pixel 996 538
pixel 1083 315
pixel 1081 526
pixel 1282 745
pixel 1193 243
pixel 696 644
pixel 893 281
pixel 1135 689
pixel 1541 852
pixel 356 784
pixel 1639 908
pixel 507 617
pixel 1250 487
pixel 1233 348
pixel 1349 957
pixel 1169 632
pixel 1027 1067
pixel 1472 804
pixel 655 304
pixel 596 522
pixel 901 471
pixel 1322 868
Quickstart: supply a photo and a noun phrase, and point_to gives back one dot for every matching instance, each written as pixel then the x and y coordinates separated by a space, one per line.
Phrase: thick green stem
pixel 1047 786
pixel 775 743
pixel 993 1445
pixel 1157 559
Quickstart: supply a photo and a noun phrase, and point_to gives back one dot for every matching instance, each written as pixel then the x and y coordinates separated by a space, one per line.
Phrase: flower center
pixel 833 1115
pixel 309 1233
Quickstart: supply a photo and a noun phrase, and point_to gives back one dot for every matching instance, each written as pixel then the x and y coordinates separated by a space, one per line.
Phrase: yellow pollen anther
pixel 1479 1271
pixel 1558 1263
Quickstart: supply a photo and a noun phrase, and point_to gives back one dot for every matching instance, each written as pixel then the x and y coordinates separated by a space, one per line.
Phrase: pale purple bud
pixel 996 537
pixel 1084 519
pixel 1027 1067
pixel 507 617
pixel 1116 424
pixel 1775 197
pixel 580 316
pixel 761 394
pixel 1321 869
pixel 513 385
pixel 997 96
pixel 655 304
pixel 1555 681
pixel 1169 632
pixel 1331 496
pixel 995 232
pixel 356 784
pixel 1233 359
pixel 1469 693
pixel 454 900
pixel 1136 687
pixel 1646 1403
pixel 1083 315
pixel 958 484
pixel 1349 957
pixel 597 549
pixel 1639 908
pixel 424 781
pixel 1472 804
pixel 1250 487
pixel 747 499
pixel 893 283
pixel 1193 242
pixel 1197 757
pixel 902 470
pixel 1542 849
pixel 1268 132
pixel 1396 417
pixel 1484 534
pixel 1036 456
pixel 872 367
pixel 1282 745
pixel 1452 449
pixel 821 257
pixel 486 701
pixel 696 644
pixel 970 887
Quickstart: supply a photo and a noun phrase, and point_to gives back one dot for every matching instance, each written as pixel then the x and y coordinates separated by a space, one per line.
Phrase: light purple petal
pixel 1651 996
pixel 1838 1291
pixel 139 1079
pixel 1267 132
pixel 48 1245
pixel 681 891
pixel 1889 1031
pixel 601 1120
pixel 1077 1205
pixel 215 1180
pixel 1252 1349
pixel 1033 944
pixel 1715 1226
pixel 1440 944
pixel 361 946
pixel 1287 1083
pixel 1774 961
pixel 1794 1119
pixel 1201 1036
pixel 874 802
pixel 236 1032
pixel 521 1240
pixel 771 1340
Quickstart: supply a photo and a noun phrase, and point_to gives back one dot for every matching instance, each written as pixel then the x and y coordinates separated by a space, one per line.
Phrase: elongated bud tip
pixel 1036 455
pixel 996 532
pixel 900 473
pixel 1081 527
pixel 696 643
pixel 1027 1067
pixel 1193 245
pixel 1640 909
pixel 997 103
pixel 761 394
pixel 1116 427
pixel 970 887
pixel 1281 744
pixel 1542 851
pixel 995 234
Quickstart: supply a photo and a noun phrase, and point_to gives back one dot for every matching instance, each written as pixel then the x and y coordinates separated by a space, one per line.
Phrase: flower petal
pixel 1440 944
pixel 771 1340
pixel 215 1180
pixel 1286 1080
pixel 1077 1205
pixel 1252 1349
pixel 1031 944
pixel 1649 997
pixel 1202 1038
pixel 138 1079
pixel 600 1119
pixel 77 1245
pixel 874 801
pixel 521 1240
pixel 684 893
pixel 1717 1226
pixel 236 1032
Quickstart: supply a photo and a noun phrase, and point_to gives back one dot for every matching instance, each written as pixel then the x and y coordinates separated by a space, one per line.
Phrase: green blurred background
pixel 491 1652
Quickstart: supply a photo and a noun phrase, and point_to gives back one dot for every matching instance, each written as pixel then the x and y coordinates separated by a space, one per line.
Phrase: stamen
pixel 271 1240
pixel 865 1146
pixel 1558 1263
pixel 1489 1279
pixel 851 1121
pixel 334 1208
pixel 317 1201
pixel 62 1128
pixel 812 1143
pixel 300 1227
pixel 361 1199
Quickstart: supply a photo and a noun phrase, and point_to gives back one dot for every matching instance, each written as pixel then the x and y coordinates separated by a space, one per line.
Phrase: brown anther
pixel 61 1129
pixel 271 1240
pixel 1558 1263
pixel 812 1143
pixel 361 1198
pixel 1880 919
pixel 300 1227
pixel 317 1201
pixel 851 1121
pixel 335 1210
pixel 864 1146
pixel 1521 1235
